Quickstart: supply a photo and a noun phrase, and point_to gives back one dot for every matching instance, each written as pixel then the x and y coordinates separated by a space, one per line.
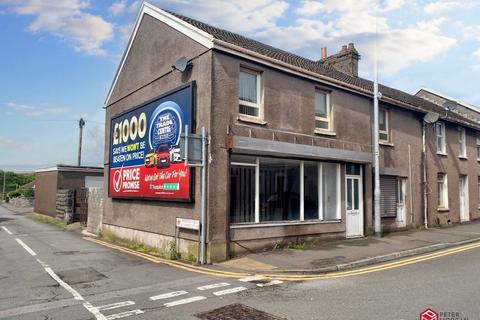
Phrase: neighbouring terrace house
pixel 290 149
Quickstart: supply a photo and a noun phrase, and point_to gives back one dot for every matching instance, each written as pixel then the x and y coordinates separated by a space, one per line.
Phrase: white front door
pixel 354 202
pixel 401 212
pixel 463 196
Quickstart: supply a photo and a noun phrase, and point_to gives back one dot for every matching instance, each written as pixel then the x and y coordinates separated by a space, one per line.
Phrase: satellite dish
pixel 450 105
pixel 181 64
pixel 431 117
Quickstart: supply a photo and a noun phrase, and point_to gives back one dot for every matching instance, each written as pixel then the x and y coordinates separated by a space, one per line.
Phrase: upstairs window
pixel 478 146
pixel 250 93
pixel 462 143
pixel 323 111
pixel 440 134
pixel 383 128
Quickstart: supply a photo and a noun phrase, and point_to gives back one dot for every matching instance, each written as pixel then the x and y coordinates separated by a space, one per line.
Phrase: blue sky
pixel 59 57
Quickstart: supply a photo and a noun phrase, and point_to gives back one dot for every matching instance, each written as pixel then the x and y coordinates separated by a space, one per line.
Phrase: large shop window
pixel 272 189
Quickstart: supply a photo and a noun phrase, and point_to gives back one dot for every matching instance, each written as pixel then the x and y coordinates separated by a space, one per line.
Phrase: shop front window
pixel 288 190
pixel 279 189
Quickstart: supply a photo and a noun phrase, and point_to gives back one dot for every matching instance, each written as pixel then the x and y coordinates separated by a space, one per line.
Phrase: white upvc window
pixel 383 125
pixel 478 146
pixel 442 189
pixel 250 94
pixel 462 143
pixel 323 111
pixel 440 134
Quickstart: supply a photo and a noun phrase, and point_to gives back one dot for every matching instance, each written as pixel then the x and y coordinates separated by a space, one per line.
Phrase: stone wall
pixel 95 210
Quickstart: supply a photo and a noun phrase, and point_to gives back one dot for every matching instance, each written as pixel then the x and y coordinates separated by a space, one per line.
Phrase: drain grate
pixel 81 275
pixel 237 311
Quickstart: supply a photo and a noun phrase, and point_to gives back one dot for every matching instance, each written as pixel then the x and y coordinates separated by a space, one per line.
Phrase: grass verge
pixel 49 220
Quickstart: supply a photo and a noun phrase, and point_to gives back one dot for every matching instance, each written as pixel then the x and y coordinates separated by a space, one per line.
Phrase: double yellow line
pixel 293 277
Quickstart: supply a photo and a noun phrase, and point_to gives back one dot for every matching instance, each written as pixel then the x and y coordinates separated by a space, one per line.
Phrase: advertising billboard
pixel 145 157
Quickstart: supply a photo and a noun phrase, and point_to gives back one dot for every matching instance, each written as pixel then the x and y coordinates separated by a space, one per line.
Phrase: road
pixel 46 273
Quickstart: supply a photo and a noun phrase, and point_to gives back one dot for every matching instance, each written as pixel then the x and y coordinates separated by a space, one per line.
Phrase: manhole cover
pixel 81 275
pixel 236 311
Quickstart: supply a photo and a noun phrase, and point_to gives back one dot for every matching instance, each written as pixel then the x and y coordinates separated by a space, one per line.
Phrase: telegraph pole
pixel 81 123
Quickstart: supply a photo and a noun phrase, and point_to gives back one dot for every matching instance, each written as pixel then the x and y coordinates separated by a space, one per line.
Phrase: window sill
pixel 442 153
pixel 324 132
pixel 281 223
pixel 255 120
pixel 386 143
pixel 462 158
pixel 441 209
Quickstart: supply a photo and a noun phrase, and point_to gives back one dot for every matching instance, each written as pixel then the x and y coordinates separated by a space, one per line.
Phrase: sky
pixel 58 58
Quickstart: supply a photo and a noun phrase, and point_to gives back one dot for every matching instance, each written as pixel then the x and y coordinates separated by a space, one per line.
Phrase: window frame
pixel 259 104
pixel 387 125
pixel 328 119
pixel 443 137
pixel 478 145
pixel 444 182
pixel 462 141
pixel 321 218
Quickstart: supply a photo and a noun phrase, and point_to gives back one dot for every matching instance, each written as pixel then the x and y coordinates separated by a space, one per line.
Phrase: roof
pixel 68 168
pixel 224 40
pixel 444 96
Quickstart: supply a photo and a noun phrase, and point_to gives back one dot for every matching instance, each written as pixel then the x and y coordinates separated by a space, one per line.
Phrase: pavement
pixel 331 256
pixel 48 273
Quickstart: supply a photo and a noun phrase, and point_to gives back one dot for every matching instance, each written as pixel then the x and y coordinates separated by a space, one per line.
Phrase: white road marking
pixel 115 305
pixel 98 315
pixel 228 291
pixel 93 310
pixel 252 278
pixel 6 230
pixel 168 295
pixel 29 250
pixel 213 286
pixel 268 284
pixel 184 301
pixel 124 314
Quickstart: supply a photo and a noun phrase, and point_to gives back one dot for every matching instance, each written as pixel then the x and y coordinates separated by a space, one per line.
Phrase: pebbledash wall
pixel 248 158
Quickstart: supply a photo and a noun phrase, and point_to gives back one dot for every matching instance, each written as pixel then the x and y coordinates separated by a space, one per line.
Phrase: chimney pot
pixel 344 47
pixel 351 46
pixel 324 53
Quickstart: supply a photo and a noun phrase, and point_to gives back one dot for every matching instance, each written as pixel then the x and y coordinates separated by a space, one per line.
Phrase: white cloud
pixel 32 111
pixel 5 141
pixel 441 6
pixel 335 23
pixel 117 8
pixel 46 112
pixel 17 106
pixel 237 16
pixel 68 20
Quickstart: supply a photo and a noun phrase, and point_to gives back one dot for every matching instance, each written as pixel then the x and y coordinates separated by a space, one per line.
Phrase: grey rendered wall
pixel 46 193
pixel 146 75
pixel 453 166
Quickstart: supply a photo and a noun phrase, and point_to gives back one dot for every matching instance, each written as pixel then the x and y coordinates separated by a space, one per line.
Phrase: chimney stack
pixel 324 53
pixel 346 60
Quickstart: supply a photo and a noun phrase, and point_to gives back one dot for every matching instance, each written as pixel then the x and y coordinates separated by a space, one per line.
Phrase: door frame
pixel 465 206
pixel 360 203
pixel 401 218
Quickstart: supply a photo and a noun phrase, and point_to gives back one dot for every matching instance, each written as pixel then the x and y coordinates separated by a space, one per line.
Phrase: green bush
pixel 27 192
pixel 14 194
